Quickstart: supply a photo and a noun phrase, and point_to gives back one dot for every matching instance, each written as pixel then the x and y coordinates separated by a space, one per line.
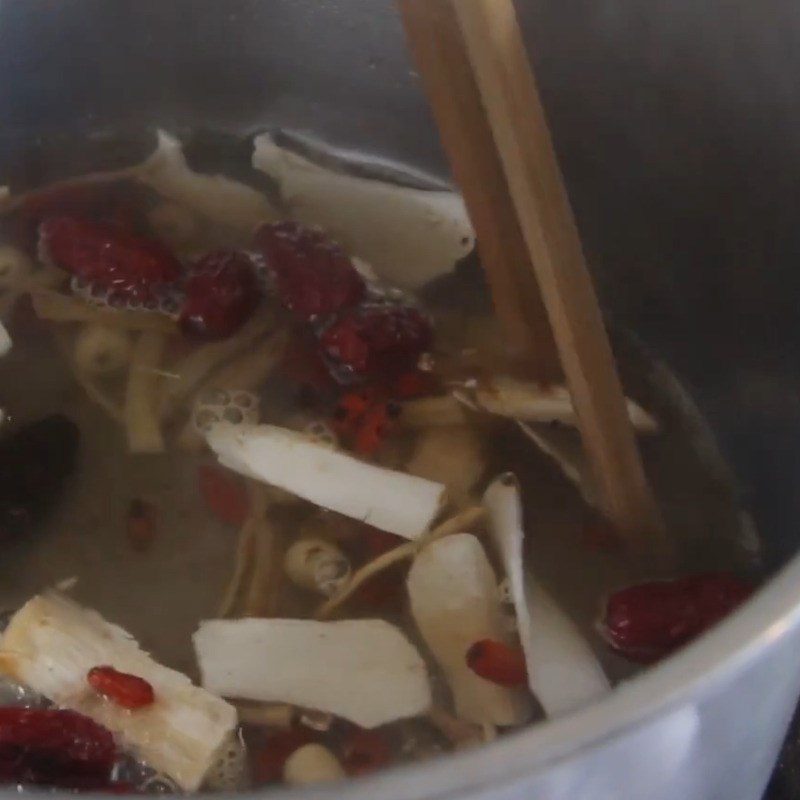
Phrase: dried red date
pixel 648 621
pixel 54 748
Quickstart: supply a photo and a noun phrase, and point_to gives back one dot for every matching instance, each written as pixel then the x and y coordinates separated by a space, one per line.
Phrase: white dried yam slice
pixel 453 592
pixel 363 670
pixel 216 197
pixel 410 236
pixel 51 644
pixel 532 402
pixel 563 672
pixel 392 501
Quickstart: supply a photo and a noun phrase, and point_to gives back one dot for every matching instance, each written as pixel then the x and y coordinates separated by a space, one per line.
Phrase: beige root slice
pixel 408 550
pixel 141 395
pixel 266 715
pixel 246 372
pixel 196 366
pixel 93 390
pixel 245 550
pixel 265 579
pixel 56 307
pixel 433 412
pixel 458 732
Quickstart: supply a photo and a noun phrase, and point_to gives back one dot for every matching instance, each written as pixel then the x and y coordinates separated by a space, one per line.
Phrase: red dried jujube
pixel 650 620
pixel 54 747
pixel 313 276
pixel 129 268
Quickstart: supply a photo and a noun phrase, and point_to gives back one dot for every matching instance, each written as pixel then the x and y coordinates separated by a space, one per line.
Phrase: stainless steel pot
pixel 679 131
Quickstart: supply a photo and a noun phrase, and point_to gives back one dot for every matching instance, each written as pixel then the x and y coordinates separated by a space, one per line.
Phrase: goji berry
pixel 224 494
pixel 498 662
pixel 650 620
pixel 54 747
pixel 221 292
pixel 122 688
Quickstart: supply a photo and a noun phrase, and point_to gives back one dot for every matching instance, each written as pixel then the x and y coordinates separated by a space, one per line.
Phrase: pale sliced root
pixel 433 412
pixel 50 645
pixel 216 197
pixel 462 521
pixel 393 501
pixel 92 389
pixel 242 563
pixel 266 577
pixel 452 592
pixel 563 672
pixel 364 670
pixel 141 394
pixel 244 559
pixel 266 715
pixel 532 402
pixel 56 307
pixel 458 732
pixel 246 372
pixel 196 366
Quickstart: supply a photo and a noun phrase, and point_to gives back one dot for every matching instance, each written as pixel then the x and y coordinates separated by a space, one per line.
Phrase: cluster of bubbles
pixel 166 300
pixel 320 432
pixel 229 772
pixel 219 405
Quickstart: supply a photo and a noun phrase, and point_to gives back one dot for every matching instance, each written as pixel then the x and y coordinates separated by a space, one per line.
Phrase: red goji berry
pixel 498 662
pixel 122 688
pixel 224 494
pixel 650 620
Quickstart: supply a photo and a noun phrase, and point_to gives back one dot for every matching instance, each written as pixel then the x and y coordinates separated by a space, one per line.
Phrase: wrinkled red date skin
pixel 313 275
pixel 221 294
pixel 647 622
pixel 126 690
pixel 374 340
pixel 53 747
pixel 128 266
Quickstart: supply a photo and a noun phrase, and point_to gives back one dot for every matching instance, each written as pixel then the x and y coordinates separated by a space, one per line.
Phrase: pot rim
pixel 730 648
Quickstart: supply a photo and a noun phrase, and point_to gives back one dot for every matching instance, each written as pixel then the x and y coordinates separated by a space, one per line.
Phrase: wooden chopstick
pixel 438 49
pixel 479 81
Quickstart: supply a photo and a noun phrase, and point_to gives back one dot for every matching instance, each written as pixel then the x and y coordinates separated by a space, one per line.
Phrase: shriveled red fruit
pixel 276 749
pixel 221 293
pixel 650 620
pixel 375 427
pixel 413 383
pixel 122 688
pixel 498 662
pixel 365 751
pixel 128 267
pixel 224 494
pixel 313 275
pixel 377 339
pixel 54 748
